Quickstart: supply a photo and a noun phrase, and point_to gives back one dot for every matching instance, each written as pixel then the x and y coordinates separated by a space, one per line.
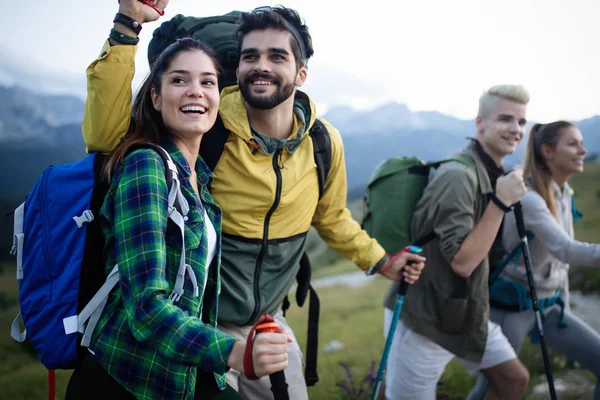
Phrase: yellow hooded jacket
pixel 269 201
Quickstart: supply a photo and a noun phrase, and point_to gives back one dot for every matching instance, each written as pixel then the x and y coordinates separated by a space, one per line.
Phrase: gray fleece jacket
pixel 553 248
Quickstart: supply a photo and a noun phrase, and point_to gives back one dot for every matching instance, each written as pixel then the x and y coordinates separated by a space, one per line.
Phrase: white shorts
pixel 415 363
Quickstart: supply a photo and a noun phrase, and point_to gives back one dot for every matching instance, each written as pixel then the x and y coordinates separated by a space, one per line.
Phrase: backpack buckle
pixel 87 216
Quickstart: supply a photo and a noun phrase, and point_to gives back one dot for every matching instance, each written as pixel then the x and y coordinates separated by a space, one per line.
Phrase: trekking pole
pixel 278 384
pixel 402 289
pixel 536 307
pixel 51 385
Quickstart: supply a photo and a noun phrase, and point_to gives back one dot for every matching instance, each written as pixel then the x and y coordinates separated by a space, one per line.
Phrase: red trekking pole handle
pixel 278 384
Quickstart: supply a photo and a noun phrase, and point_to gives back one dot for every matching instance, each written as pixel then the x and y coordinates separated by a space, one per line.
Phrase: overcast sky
pixel 430 55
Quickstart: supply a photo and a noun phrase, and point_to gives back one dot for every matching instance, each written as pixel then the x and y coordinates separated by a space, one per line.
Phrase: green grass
pixel 22 376
pixel 587 195
pixel 338 268
pixel 354 317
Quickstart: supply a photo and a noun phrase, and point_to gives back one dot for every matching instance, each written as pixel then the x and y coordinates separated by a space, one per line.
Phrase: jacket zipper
pixel 265 242
pixel 46 222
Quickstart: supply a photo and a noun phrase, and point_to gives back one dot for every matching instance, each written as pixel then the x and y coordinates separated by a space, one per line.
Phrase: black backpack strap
pixel 303 279
pixel 322 152
pixel 285 305
pixel 213 144
pixel 366 211
pixel 94 258
pixel 92 265
pixel 312 340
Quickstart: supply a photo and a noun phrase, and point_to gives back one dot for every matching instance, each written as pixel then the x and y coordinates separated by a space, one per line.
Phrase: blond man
pixel 446 313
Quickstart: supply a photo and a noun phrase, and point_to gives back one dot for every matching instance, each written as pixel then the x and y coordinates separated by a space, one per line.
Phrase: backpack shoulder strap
pixel 513 256
pixel 87 318
pixel 424 170
pixel 178 210
pixel 213 144
pixel 92 266
pixel 576 213
pixel 322 152
pixel 459 157
pixel 311 376
pixel 463 159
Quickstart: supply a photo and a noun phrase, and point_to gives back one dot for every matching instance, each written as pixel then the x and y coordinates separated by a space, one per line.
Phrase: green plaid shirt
pixel 149 344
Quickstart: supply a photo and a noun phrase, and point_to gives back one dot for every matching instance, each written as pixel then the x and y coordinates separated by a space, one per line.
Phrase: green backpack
pixel 393 191
pixel 218 31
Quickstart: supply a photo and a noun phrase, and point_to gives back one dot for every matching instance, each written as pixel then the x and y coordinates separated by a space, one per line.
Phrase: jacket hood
pixel 235 118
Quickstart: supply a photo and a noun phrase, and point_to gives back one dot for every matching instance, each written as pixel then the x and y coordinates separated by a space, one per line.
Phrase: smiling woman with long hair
pixel 157 337
pixel 555 151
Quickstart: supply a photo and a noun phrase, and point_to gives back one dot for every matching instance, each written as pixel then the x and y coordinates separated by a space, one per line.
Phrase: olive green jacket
pixel 450 310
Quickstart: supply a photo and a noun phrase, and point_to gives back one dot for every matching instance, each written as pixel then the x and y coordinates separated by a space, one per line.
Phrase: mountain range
pixel 37 130
pixel 394 130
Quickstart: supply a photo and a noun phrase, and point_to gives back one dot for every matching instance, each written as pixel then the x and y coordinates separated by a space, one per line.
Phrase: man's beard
pixel 262 102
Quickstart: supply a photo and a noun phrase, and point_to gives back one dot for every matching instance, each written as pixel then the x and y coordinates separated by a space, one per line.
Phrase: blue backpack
pixel 60 256
pixel 512 296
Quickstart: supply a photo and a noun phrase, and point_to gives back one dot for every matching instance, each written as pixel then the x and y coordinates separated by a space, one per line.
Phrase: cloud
pixel 18 71
pixel 328 84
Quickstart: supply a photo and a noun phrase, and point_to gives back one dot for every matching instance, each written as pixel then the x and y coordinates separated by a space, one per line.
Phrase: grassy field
pixel 352 316
pixel 22 376
pixel 587 194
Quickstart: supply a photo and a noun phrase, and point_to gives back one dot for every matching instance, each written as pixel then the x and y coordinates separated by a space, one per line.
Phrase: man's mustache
pixel 259 76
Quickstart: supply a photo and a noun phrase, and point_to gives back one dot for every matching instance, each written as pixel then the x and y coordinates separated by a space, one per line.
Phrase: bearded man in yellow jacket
pixel 266 178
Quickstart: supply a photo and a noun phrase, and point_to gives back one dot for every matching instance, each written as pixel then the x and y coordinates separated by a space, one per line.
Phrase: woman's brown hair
pixel 536 166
